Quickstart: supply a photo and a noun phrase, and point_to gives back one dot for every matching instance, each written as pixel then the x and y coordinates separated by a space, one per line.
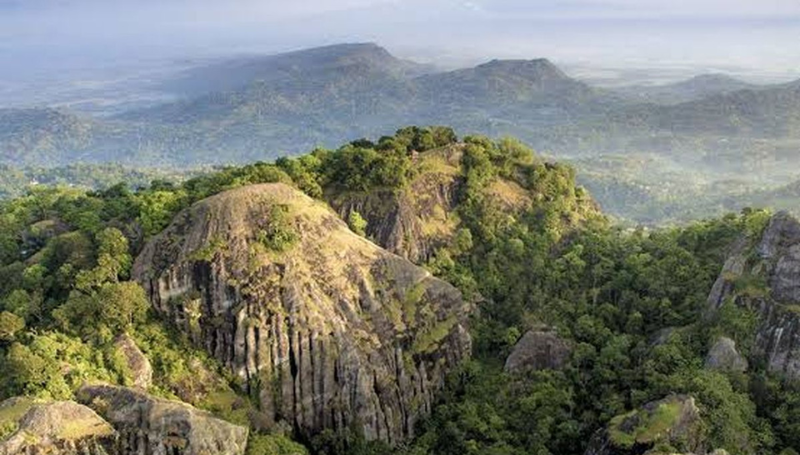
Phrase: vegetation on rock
pixel 510 230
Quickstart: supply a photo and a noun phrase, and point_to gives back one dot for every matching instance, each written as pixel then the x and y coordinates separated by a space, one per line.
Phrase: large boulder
pixel 674 421
pixel 724 356
pixel 149 425
pixel 137 362
pixel 55 428
pixel 539 350
pixel 765 277
pixel 330 330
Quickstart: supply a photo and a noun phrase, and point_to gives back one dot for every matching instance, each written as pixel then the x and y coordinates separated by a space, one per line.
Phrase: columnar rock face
pixel 724 356
pixel 332 331
pixel 149 425
pixel 539 350
pixel 766 278
pixel 55 428
pixel 673 421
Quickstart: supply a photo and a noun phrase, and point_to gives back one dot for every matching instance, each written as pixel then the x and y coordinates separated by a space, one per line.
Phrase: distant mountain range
pixel 262 107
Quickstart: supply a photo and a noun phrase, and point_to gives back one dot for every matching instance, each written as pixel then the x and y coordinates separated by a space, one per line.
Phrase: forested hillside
pixel 494 307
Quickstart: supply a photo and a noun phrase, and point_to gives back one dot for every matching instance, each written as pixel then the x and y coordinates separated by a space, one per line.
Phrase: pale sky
pixel 760 35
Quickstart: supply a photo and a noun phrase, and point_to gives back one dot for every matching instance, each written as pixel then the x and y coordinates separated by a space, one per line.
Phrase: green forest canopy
pixel 65 259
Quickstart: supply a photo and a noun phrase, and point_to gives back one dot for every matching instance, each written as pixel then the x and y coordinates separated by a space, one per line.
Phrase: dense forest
pixel 631 304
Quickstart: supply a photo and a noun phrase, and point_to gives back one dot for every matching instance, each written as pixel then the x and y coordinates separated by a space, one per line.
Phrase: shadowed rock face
pixel 675 421
pixel 775 266
pixel 149 425
pixel 538 350
pixel 330 330
pixel 56 428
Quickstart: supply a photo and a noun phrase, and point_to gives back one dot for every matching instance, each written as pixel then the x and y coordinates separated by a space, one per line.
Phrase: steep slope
pixel 330 331
pixel 765 278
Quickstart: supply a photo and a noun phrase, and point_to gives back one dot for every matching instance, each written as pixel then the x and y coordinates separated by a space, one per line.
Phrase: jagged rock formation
pixel 414 221
pixel 724 356
pixel 332 331
pixel 538 350
pixel 149 425
pixel 137 362
pixel 766 278
pixel 28 427
pixel 674 421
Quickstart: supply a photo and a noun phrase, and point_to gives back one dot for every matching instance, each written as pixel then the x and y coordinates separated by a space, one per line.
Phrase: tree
pixel 10 325
pixel 111 309
pixel 357 223
pixel 113 261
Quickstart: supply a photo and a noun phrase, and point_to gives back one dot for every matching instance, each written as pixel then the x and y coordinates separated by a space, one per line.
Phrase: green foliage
pixel 273 445
pixel 278 232
pixel 53 365
pixel 66 254
pixel 10 325
pixel 357 223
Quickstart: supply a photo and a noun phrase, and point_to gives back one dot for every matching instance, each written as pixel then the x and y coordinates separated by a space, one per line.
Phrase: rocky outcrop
pixel 538 350
pixel 137 362
pixel 149 425
pixel 331 331
pixel 674 421
pixel 766 278
pixel 724 356
pixel 28 427
pixel 411 222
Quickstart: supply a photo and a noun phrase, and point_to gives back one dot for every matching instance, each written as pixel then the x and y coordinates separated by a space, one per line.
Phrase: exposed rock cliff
pixel 673 421
pixel 149 425
pixel 766 277
pixel 333 331
pixel 415 221
pixel 538 350
pixel 411 222
pixel 57 428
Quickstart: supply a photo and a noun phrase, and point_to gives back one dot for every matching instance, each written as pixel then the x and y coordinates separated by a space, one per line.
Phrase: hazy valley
pixel 728 137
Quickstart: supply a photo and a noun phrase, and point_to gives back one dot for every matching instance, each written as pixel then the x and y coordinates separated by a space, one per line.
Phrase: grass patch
pixel 648 427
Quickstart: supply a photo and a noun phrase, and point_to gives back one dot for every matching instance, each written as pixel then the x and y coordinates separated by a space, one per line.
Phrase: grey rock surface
pixel 333 331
